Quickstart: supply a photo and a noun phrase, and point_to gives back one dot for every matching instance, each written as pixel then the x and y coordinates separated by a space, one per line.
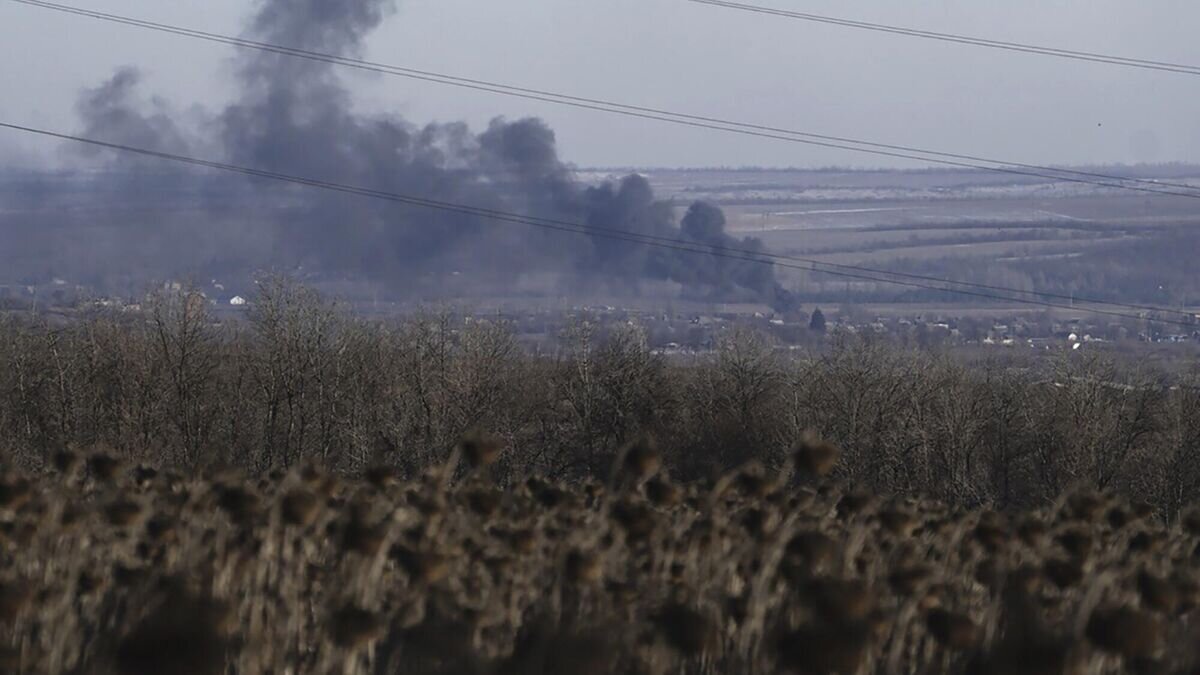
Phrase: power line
pixel 557 225
pixel 645 112
pixel 807 263
pixel 652 113
pixel 406 72
pixel 961 39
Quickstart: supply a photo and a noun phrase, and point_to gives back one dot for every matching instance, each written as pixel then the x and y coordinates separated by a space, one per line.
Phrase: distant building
pixel 237 301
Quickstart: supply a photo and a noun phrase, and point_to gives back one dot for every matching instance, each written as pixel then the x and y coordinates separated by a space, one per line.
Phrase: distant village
pixel 60 296
pixel 693 330
pixel 686 332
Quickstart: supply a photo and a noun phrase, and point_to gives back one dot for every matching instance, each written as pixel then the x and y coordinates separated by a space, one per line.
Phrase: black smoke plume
pixel 139 219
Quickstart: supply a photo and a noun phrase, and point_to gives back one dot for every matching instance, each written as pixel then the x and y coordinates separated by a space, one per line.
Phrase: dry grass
pixel 121 569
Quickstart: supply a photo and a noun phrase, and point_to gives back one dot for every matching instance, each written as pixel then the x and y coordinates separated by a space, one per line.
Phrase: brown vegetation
pixel 409 577
pixel 309 493
pixel 301 380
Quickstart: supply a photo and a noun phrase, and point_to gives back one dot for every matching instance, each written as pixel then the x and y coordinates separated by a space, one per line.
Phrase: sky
pixel 682 56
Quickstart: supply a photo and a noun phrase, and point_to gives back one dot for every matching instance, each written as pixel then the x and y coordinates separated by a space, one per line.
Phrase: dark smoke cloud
pixel 112 109
pixel 295 116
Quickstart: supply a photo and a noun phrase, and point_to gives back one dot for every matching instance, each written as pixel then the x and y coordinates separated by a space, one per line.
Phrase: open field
pixel 918 244
pixel 867 210
pixel 1018 231
pixel 805 198
pixel 783 199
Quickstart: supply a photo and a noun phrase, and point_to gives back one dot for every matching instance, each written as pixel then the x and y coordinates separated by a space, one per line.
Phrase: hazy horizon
pixel 451 159
pixel 705 60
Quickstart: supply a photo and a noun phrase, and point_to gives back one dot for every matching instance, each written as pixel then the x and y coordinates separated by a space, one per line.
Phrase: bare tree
pixel 292 370
pixel 184 344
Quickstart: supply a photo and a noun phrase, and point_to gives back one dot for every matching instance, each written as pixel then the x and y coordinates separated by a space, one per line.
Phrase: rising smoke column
pixel 295 116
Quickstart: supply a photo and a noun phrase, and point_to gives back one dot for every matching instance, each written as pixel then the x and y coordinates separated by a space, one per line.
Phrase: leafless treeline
pixel 303 379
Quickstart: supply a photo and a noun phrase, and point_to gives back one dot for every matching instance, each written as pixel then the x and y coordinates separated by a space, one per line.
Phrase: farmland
pixel 968 225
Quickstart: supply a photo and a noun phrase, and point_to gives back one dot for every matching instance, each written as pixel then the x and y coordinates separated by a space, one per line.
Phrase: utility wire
pixel 380 68
pixel 808 263
pixel 638 111
pixel 559 225
pixel 961 39
pixel 644 112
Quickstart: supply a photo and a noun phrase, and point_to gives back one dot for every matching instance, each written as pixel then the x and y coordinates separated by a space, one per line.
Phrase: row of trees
pixel 1139 266
pixel 302 379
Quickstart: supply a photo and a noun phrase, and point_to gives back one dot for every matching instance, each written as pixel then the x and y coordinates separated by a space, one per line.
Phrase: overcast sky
pixel 705 60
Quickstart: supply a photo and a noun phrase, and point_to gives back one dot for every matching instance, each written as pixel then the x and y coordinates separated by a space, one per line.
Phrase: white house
pixel 237 301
